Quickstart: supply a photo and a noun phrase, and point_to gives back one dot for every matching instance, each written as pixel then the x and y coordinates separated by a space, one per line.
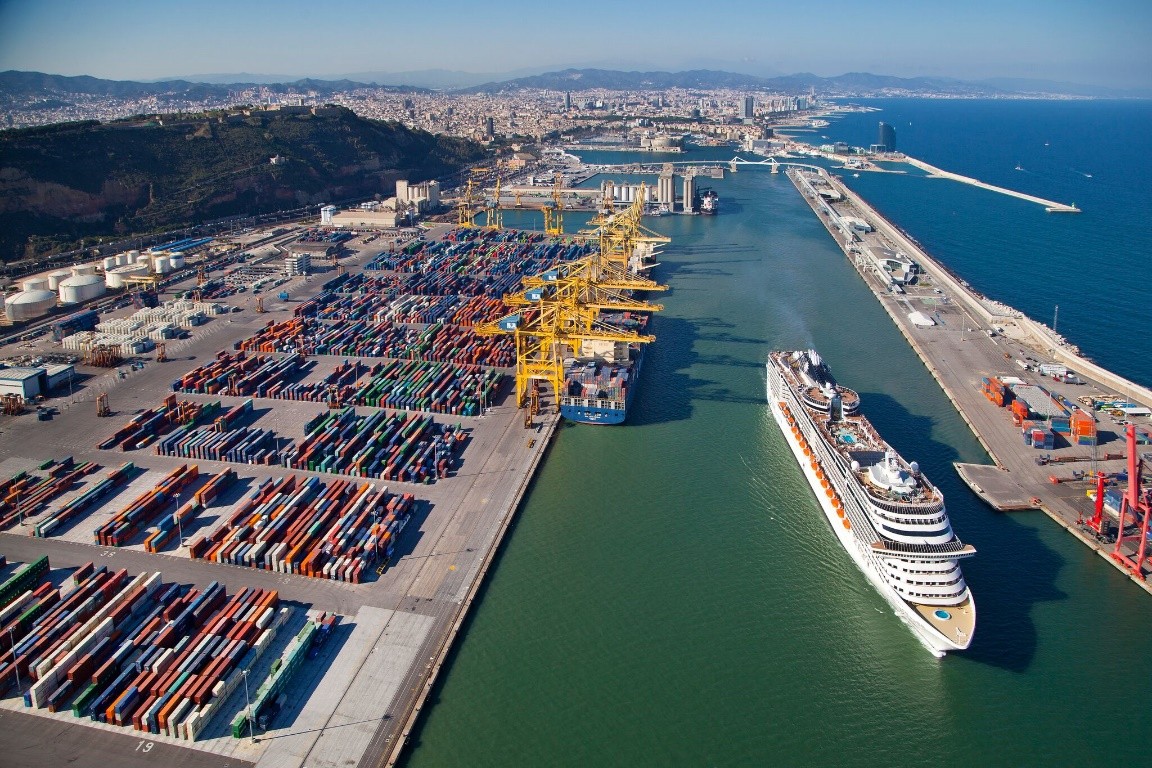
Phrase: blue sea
pixel 1096 265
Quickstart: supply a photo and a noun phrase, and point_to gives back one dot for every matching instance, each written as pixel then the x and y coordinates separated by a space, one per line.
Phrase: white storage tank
pixel 29 304
pixel 176 260
pixel 84 269
pixel 115 278
pixel 35 284
pixel 110 263
pixel 80 288
pixel 160 265
pixel 132 257
pixel 55 278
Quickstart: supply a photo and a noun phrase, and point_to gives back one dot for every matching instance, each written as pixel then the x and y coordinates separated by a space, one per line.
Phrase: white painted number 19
pixel 145 746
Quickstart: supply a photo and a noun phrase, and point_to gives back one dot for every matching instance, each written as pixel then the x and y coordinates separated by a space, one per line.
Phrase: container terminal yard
pixel 1067 436
pixel 252 538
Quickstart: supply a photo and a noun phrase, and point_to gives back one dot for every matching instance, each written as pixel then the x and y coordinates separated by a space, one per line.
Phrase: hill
pixel 616 80
pixel 63 182
pixel 849 84
pixel 16 85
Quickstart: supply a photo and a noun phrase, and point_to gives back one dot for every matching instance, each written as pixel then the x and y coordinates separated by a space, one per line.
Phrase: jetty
pixel 961 337
pixel 939 173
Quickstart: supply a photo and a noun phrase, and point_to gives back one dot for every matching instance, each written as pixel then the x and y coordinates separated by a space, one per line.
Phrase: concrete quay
pixel 1049 205
pixel 358 702
pixel 958 350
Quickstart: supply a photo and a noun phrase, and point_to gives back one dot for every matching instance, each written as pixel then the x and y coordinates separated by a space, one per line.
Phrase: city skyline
pixel 1102 44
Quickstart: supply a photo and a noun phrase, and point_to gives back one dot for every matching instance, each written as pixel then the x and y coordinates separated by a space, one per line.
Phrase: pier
pixel 971 337
pixel 934 172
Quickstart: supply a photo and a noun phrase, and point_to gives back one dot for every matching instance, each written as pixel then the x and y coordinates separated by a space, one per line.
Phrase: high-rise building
pixel 887 137
pixel 568 100
pixel 489 127
pixel 749 107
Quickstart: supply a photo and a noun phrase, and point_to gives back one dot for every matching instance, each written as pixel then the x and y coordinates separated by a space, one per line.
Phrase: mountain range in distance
pixel 16 85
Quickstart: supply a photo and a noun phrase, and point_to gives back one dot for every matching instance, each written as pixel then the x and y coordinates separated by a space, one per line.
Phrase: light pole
pixel 179 525
pixel 248 706
pixel 15 666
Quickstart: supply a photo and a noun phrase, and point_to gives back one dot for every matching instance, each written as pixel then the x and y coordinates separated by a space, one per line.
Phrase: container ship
pixel 883 510
pixel 600 382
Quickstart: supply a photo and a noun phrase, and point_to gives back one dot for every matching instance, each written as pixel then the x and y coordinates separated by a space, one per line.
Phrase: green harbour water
pixel 670 594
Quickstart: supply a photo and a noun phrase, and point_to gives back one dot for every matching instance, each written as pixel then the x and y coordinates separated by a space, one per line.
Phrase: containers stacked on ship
pixel 599 383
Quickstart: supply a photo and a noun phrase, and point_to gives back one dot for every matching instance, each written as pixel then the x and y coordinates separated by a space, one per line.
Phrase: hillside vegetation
pixel 63 182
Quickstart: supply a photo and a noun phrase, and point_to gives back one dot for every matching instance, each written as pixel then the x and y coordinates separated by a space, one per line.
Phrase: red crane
pixel 1096 522
pixel 1136 503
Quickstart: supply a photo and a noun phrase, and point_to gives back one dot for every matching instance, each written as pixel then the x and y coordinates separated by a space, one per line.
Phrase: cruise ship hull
pixel 936 642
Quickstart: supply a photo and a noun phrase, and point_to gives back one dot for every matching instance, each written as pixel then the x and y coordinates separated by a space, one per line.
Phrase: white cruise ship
pixel 884 511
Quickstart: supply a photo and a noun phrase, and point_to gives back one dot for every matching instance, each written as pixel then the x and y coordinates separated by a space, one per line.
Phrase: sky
pixel 1098 42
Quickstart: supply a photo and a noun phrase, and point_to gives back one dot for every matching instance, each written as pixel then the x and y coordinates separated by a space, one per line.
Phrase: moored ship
pixel 709 202
pixel 885 512
pixel 600 383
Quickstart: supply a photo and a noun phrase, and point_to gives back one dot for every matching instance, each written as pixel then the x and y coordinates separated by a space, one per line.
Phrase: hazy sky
pixel 1088 41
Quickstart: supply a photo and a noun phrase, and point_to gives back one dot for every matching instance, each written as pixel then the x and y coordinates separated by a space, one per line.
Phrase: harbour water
pixel 670 594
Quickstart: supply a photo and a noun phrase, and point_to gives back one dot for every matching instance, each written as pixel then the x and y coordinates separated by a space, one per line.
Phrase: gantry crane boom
pixel 557 311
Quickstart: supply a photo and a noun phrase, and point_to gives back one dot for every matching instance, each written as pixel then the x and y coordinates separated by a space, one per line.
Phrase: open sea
pixel 670 594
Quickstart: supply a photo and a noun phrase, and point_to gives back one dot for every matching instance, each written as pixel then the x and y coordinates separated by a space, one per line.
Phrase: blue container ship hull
pixel 603 411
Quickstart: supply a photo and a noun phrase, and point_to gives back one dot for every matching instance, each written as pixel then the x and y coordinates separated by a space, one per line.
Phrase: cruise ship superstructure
pixel 884 511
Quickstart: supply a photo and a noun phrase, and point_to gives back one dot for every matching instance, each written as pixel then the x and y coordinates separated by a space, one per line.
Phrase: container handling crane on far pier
pixel 1136 505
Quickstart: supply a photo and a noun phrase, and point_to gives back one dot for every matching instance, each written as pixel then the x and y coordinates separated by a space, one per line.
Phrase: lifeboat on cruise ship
pixel 847 524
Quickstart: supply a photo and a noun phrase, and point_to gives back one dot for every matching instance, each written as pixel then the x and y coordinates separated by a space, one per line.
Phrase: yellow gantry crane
pixel 548 330
pixel 557 313
pixel 624 241
pixel 495 218
pixel 554 211
pixel 468 207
